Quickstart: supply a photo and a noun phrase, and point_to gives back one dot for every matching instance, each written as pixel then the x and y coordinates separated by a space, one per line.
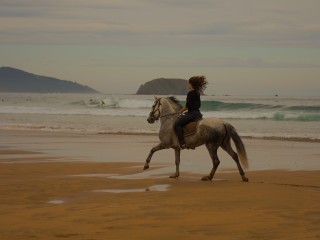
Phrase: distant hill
pixel 15 80
pixel 164 86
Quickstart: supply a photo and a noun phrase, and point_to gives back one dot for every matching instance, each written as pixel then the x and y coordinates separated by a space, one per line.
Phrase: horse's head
pixel 155 112
pixel 164 107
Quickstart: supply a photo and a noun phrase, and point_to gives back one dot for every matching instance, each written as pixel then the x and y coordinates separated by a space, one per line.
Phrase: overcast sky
pixel 243 47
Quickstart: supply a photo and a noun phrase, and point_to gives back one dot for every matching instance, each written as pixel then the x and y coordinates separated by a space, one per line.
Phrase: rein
pixel 170 114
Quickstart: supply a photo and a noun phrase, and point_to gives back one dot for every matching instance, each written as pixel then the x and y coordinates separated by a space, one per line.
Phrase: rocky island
pixel 164 86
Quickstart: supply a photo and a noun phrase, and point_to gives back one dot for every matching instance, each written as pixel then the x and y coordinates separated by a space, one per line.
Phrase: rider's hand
pixel 183 110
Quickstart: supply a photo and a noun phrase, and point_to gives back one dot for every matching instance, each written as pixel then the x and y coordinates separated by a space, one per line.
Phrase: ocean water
pixel 277 117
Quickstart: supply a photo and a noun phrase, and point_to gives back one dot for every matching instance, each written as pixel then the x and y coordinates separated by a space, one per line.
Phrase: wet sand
pixel 77 186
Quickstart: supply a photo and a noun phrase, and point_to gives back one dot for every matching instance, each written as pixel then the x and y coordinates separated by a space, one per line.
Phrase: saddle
pixel 191 128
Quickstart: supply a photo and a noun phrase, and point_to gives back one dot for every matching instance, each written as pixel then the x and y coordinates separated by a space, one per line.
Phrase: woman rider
pixel 191 111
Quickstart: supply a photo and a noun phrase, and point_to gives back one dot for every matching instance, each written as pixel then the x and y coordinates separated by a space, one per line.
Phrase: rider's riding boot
pixel 183 145
pixel 179 132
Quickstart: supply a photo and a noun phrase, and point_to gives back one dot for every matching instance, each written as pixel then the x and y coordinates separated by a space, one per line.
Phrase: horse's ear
pixel 156 98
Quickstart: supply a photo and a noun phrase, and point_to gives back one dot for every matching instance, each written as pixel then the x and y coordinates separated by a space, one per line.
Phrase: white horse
pixel 212 132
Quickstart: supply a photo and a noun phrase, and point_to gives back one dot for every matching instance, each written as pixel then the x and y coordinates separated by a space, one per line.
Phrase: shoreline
pixel 263 154
pixel 295 139
pixel 133 133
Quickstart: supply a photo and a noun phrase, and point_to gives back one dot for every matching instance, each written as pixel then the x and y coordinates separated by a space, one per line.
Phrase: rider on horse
pixel 191 111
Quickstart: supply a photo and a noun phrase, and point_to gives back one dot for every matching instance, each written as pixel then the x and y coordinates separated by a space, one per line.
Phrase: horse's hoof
pixel 174 176
pixel 245 179
pixel 206 178
pixel 145 167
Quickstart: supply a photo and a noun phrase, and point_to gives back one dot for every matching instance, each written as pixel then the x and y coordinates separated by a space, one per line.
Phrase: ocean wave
pixel 304 108
pixel 127 114
pixel 143 112
pixel 115 102
pixel 140 107
pixel 220 106
pixel 280 116
pixel 206 105
pixel 271 115
pixel 226 106
pixel 99 111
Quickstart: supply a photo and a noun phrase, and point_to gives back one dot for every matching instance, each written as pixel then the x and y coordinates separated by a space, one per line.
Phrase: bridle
pixel 156 109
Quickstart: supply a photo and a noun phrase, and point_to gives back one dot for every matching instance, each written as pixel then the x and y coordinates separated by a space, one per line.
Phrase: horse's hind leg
pixel 160 146
pixel 227 147
pixel 215 160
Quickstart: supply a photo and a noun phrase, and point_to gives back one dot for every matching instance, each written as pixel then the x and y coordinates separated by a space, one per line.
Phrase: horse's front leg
pixel 160 146
pixel 177 161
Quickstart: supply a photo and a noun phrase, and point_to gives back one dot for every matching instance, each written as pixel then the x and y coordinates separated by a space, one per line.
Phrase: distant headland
pixel 15 80
pixel 164 86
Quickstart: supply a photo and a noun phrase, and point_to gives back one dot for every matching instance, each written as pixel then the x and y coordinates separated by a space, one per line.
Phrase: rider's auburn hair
pixel 198 83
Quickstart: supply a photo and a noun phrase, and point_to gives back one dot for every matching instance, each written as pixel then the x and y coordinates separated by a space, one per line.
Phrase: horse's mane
pixel 175 101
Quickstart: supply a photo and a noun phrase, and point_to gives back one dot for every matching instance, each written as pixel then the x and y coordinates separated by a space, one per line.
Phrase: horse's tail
pixel 239 144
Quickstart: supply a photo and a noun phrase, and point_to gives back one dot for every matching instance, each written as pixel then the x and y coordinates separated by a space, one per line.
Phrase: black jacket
pixel 193 101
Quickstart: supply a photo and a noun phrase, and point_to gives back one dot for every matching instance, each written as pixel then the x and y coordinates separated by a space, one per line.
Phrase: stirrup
pixel 183 146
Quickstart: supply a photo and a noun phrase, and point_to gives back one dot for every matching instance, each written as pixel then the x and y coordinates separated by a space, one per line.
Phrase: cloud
pixel 255 62
pixel 159 23
pixel 171 23
pixel 106 41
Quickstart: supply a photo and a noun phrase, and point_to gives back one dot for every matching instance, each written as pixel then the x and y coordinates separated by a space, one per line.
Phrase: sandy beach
pixel 58 185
